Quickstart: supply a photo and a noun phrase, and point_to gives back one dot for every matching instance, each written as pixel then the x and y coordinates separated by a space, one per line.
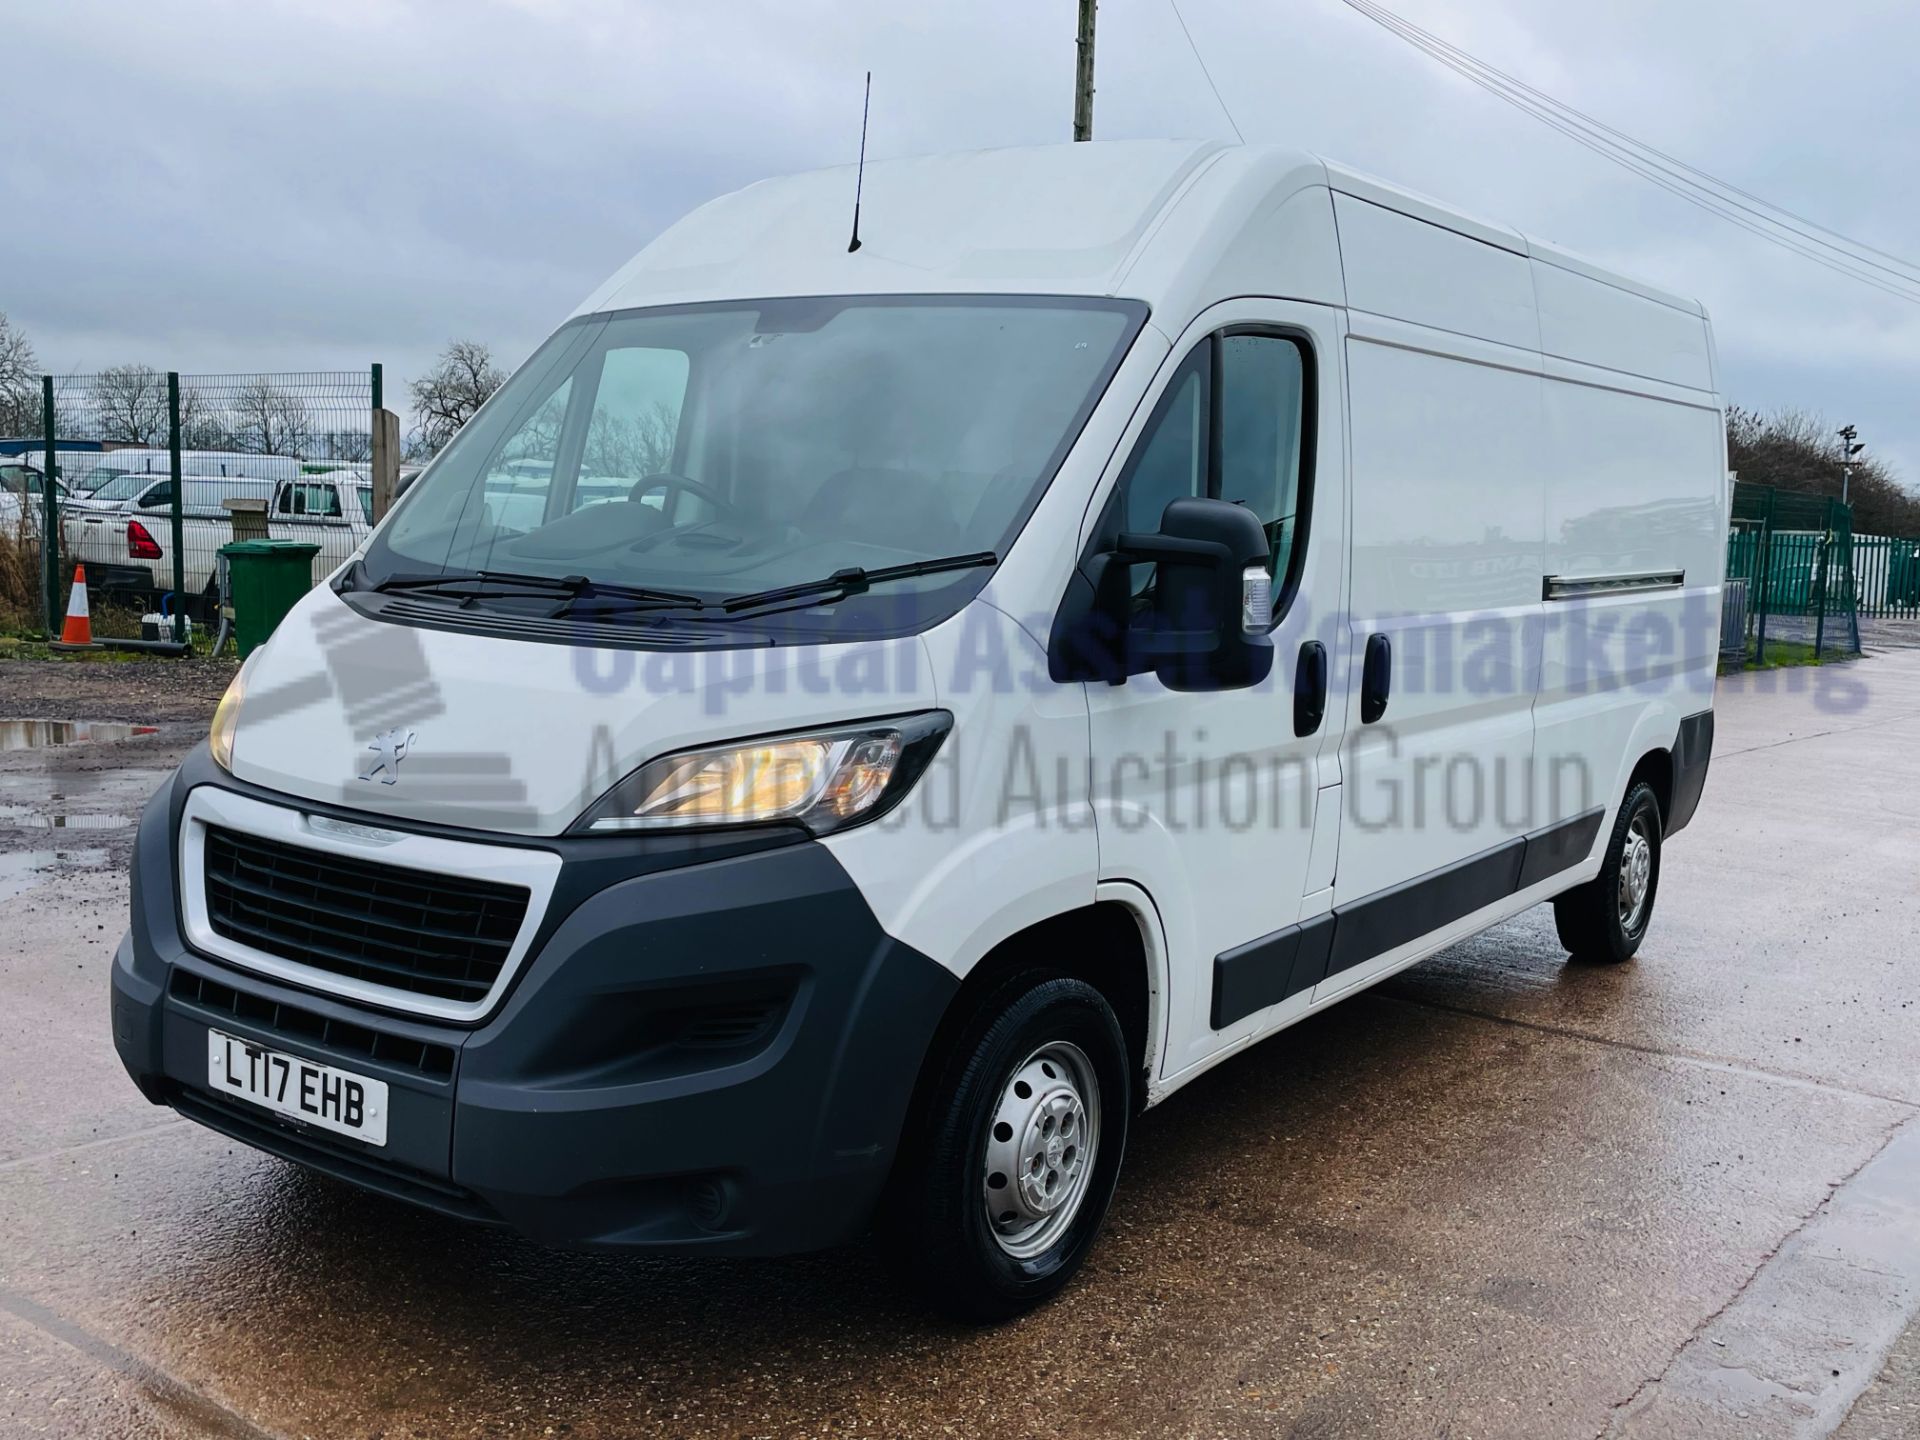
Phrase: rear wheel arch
pixel 1656 769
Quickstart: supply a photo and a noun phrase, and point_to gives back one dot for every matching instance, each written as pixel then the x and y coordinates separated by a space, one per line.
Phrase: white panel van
pixel 857 718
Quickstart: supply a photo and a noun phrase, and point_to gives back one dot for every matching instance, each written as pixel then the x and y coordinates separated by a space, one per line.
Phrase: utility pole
pixel 1083 75
pixel 1850 446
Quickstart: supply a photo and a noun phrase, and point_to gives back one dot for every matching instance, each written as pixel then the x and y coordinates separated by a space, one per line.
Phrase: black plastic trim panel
pixel 1266 971
pixel 352 1164
pixel 1692 749
pixel 1276 967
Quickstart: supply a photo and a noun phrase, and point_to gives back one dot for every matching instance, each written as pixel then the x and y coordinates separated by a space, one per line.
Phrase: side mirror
pixel 1212 599
pixel 1205 626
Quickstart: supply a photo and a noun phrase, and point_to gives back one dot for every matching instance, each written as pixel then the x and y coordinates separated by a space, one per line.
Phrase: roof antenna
pixel 860 175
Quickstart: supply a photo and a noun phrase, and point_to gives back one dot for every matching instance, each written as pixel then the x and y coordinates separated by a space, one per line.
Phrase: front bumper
pixel 624 1092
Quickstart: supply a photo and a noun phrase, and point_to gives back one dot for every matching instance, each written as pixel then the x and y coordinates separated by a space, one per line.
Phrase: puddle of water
pixel 27 817
pixel 39 734
pixel 21 872
pixel 46 786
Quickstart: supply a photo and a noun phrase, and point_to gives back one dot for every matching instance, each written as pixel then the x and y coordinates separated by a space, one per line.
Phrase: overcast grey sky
pixel 221 185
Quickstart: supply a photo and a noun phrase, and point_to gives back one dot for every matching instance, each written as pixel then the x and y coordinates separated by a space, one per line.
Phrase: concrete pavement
pixel 1498 1196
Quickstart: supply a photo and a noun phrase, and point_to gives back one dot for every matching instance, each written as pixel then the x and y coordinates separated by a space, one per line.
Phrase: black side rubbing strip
pixel 1253 976
pixel 1266 971
pixel 1692 749
pixel 1391 918
pixel 1560 847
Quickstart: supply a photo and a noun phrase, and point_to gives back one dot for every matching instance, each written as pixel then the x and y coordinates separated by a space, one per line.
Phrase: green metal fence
pixel 1887 569
pixel 1796 552
pixel 154 471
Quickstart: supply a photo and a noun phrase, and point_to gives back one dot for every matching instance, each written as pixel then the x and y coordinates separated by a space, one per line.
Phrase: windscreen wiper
pixel 854 581
pixel 506 584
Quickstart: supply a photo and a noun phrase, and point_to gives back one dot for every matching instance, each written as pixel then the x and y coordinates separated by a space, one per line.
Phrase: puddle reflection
pixel 39 734
pixel 22 871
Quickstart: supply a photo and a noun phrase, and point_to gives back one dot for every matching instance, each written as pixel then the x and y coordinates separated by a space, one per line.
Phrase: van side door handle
pixel 1309 688
pixel 1376 678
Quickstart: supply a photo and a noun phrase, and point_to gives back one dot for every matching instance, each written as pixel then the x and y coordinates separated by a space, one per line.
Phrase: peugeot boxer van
pixel 1123 600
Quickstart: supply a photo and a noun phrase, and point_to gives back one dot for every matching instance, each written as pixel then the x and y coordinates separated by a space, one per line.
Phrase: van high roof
pixel 1163 221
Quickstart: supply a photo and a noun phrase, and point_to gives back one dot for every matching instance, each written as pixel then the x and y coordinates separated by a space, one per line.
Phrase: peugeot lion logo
pixel 392 746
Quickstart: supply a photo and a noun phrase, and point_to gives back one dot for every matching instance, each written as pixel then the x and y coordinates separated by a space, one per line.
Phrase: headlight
pixel 822 779
pixel 226 717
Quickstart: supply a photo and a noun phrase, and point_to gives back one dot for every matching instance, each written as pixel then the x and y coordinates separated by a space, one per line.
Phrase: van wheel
pixel 1604 920
pixel 1011 1157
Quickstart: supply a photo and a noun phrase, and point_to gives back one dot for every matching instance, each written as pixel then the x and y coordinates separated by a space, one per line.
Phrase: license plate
pixel 303 1090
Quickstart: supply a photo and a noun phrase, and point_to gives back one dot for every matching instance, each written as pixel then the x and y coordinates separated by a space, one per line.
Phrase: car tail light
pixel 140 545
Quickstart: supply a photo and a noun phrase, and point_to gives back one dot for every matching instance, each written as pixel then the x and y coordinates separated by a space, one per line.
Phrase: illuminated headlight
pixel 226 717
pixel 824 780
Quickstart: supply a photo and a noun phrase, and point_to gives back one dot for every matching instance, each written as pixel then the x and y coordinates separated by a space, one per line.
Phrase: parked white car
pixel 130 548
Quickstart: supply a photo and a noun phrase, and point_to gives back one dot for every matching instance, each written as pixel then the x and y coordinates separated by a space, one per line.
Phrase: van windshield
pixel 123 487
pixel 729 449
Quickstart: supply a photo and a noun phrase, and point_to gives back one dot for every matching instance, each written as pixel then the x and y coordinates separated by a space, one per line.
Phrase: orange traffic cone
pixel 77 632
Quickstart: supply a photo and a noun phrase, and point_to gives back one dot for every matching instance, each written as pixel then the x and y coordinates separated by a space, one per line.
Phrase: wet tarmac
pixel 1498 1196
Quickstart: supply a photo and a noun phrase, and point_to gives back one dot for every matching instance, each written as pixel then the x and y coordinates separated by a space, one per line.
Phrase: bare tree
pixel 631 446
pixel 354 447
pixel 203 424
pixel 19 388
pixel 130 405
pixel 270 421
pixel 445 397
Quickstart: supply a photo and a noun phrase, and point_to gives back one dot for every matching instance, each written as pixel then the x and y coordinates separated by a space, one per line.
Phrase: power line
pixel 1659 168
pixel 1429 41
pixel 1175 4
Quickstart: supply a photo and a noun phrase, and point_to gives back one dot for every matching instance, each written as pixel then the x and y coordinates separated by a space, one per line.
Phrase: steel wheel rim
pixel 1636 873
pixel 1041 1148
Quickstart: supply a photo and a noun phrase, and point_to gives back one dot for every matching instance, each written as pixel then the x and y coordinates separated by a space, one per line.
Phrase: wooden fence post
pixel 386 462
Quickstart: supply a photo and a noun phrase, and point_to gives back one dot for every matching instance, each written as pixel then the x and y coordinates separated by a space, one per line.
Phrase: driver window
pixel 1170 460
pixel 1231 426
pixel 1262 419
pixel 634 427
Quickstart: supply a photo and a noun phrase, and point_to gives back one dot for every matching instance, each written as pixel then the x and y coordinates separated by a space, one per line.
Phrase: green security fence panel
pixel 1797 555
pixel 147 474
pixel 1887 568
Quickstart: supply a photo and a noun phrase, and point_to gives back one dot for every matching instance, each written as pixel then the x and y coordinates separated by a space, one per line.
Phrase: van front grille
pixel 439 935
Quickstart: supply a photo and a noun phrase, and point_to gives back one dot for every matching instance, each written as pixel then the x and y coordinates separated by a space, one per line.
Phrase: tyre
pixel 1604 920
pixel 1012 1150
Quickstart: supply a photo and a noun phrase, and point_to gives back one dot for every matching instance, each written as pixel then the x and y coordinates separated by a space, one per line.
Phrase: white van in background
pixel 114 476
pixel 847 726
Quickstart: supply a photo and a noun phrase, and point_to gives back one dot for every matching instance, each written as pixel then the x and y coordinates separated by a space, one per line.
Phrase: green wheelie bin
pixel 265 579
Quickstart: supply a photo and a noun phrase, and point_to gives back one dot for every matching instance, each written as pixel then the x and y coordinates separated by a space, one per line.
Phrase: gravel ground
pixel 147 692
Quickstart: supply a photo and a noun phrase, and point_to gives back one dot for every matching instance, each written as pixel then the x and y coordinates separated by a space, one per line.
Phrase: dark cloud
pixel 238 184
